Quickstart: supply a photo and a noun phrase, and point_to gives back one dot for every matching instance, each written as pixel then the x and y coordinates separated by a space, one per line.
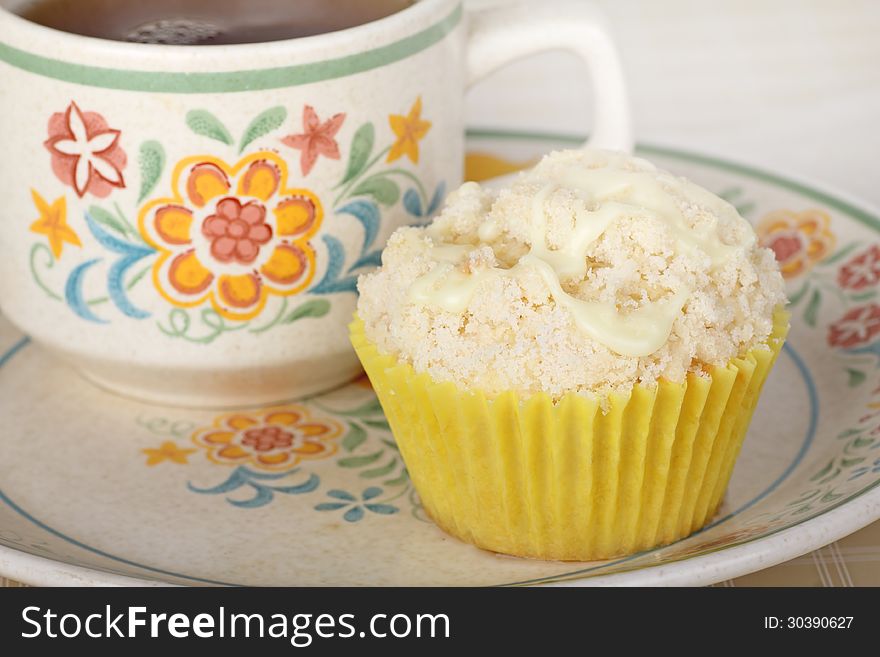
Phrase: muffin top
pixel 592 272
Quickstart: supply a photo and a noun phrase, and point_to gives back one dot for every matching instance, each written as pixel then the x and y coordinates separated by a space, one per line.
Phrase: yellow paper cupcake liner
pixel 571 480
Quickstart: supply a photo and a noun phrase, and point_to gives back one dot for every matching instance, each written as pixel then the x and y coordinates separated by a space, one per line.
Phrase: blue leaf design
pixel 345 285
pixel 373 259
pixel 116 287
pixel 341 495
pixel 331 282
pixel 310 485
pixel 384 509
pixel 263 494
pixel 238 478
pixel 371 492
pixel 268 476
pixel 131 254
pixel 412 202
pixel 262 498
pixel 367 213
pixel 108 241
pixel 437 199
pixel 330 506
pixel 873 348
pixel 73 292
pixel 354 514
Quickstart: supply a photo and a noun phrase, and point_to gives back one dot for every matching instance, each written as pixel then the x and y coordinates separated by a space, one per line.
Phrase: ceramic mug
pixel 186 224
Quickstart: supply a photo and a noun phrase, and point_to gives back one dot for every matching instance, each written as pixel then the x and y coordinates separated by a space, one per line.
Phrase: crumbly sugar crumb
pixel 514 335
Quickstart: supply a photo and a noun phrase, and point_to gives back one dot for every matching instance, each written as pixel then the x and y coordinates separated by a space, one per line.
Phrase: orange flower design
pixel 232 234
pixel 799 239
pixel 271 439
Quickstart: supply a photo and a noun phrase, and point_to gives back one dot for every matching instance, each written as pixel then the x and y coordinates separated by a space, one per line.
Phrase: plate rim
pixel 860 510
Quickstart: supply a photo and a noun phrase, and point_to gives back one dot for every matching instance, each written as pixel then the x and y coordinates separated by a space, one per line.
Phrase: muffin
pixel 569 365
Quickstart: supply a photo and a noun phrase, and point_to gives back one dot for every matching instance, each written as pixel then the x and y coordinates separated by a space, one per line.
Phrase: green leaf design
pixel 864 296
pixel 354 438
pixel 312 308
pixel 265 123
pixel 384 190
pixel 811 314
pixel 745 209
pixel 381 471
pixel 361 147
pixel 730 193
pixel 805 496
pixel 202 122
pixel 830 496
pixel 109 220
pixel 850 432
pixel 862 441
pixel 795 298
pixel 397 481
pixel 360 461
pixel 841 254
pixel 378 424
pixel 824 471
pixel 855 377
pixel 372 407
pixel 137 277
pixel 151 160
pixel 853 461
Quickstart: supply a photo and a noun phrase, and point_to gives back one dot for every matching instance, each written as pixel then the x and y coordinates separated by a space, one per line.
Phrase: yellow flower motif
pixel 270 439
pixel 168 451
pixel 799 239
pixel 409 130
pixel 232 234
pixel 53 223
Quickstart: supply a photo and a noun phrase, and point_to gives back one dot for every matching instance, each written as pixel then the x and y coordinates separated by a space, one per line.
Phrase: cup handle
pixel 500 35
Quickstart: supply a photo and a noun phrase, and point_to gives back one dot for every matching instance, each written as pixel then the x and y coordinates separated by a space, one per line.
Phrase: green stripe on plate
pixel 861 215
pixel 230 81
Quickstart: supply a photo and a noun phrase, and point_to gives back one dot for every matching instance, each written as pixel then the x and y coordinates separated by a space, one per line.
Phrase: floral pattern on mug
pixel 233 234
pixel 410 130
pixel 270 439
pixel 52 223
pixel 316 139
pixel 85 150
pixel 228 245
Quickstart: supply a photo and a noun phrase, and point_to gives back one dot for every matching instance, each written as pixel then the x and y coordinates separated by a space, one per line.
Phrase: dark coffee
pixel 206 22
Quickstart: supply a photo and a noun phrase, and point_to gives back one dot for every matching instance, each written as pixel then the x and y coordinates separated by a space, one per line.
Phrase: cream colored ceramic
pixel 315 492
pixel 186 224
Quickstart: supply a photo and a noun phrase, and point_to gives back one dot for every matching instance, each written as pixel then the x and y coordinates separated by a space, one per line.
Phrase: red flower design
pixel 316 139
pixel 862 271
pixel 237 231
pixel 85 152
pixel 265 439
pixel 856 327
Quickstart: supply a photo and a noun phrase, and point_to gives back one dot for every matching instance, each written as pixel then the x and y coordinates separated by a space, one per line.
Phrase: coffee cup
pixel 186 224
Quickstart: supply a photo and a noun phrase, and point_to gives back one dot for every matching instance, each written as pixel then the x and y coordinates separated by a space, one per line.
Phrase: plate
pixel 97 489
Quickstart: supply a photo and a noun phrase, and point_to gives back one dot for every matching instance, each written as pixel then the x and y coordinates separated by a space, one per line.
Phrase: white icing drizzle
pixel 613 193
